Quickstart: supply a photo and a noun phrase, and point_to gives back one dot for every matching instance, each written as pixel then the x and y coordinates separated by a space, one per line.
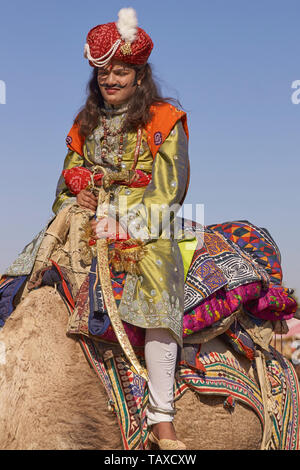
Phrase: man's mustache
pixel 106 85
pixel 117 86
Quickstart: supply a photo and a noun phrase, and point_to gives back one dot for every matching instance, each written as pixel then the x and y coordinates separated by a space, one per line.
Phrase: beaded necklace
pixel 120 131
pixel 105 146
pixel 112 131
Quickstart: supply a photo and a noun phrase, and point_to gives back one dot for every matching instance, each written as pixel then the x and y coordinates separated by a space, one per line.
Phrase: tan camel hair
pixel 50 398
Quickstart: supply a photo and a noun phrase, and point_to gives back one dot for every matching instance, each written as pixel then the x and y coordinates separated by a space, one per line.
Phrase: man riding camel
pixel 128 273
pixel 127 126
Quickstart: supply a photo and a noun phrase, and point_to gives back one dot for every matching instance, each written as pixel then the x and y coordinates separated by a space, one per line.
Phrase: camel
pixel 51 399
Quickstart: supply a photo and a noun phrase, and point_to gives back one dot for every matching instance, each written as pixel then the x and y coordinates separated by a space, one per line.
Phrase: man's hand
pixel 87 200
pixel 108 227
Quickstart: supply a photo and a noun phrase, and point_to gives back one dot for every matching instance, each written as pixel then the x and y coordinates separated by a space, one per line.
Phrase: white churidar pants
pixel 160 356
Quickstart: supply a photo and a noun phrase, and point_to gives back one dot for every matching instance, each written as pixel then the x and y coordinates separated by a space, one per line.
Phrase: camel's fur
pixel 51 399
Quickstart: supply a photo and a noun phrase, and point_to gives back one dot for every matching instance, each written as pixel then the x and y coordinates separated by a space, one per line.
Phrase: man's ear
pixel 137 80
pixel 140 75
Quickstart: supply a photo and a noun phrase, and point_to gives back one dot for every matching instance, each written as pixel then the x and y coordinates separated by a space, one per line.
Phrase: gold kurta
pixel 155 298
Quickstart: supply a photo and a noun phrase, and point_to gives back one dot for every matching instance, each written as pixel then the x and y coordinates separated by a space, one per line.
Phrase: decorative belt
pixel 79 178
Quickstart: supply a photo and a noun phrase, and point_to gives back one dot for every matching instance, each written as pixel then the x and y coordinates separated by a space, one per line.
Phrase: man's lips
pixel 111 91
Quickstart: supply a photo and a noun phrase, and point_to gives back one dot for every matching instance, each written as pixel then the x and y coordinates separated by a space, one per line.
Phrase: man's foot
pixel 164 430
pixel 163 435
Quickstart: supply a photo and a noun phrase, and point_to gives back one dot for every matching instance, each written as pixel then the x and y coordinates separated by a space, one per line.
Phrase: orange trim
pixel 74 140
pixel 164 118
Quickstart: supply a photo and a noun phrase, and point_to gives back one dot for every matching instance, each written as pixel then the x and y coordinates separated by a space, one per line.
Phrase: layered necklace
pixel 109 138
pixel 105 147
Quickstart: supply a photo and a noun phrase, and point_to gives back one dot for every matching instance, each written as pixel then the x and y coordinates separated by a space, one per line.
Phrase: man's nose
pixel 111 79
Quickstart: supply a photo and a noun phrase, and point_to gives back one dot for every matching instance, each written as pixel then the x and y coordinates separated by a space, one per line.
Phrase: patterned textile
pixel 267 304
pixel 98 318
pixel 205 273
pixel 272 304
pixel 93 356
pixel 218 283
pixel 218 263
pixel 126 393
pixel 220 304
pixel 285 390
pixel 255 241
pixel 222 277
pixel 135 334
pixel 239 340
pixel 223 376
pixel 9 287
pixel 23 264
pixel 54 276
pixel 83 316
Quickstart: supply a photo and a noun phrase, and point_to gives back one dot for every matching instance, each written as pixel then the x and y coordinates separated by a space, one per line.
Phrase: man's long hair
pixel 138 114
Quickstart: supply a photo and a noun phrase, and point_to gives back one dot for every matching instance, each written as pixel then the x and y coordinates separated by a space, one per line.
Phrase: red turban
pixel 122 40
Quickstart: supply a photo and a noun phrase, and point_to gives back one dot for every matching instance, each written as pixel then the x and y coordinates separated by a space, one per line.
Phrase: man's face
pixel 116 82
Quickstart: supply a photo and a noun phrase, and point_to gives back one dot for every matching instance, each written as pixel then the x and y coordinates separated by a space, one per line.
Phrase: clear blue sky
pixel 231 63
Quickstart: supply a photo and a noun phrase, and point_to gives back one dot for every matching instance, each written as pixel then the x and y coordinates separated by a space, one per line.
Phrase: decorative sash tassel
pixel 126 255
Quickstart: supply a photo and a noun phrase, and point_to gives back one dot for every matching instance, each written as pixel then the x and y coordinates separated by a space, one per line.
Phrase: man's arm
pixel 63 194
